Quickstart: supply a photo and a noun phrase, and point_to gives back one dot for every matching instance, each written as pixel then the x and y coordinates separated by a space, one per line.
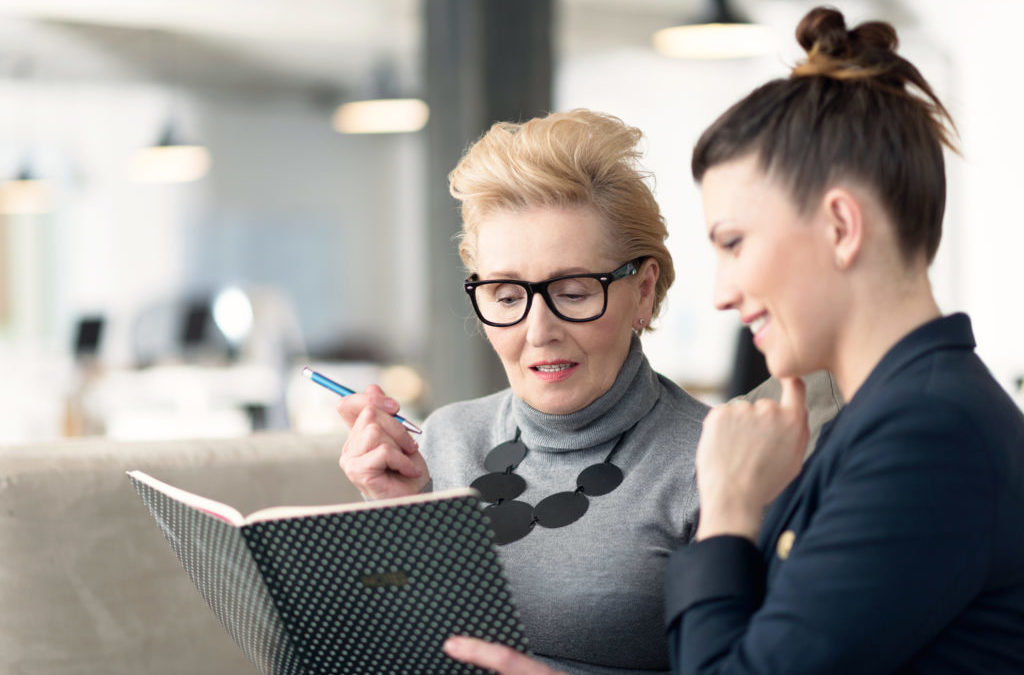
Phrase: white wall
pixel 988 102
pixel 108 244
pixel 333 220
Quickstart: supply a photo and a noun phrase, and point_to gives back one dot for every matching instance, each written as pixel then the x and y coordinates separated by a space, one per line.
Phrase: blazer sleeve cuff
pixel 719 567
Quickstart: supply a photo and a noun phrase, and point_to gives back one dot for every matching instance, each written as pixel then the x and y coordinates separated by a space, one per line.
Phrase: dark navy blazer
pixel 899 547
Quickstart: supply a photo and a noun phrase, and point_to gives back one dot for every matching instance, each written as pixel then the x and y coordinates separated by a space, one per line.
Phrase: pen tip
pixel 307 371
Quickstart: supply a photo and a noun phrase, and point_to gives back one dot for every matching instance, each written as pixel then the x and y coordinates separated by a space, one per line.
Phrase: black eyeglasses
pixel 573 297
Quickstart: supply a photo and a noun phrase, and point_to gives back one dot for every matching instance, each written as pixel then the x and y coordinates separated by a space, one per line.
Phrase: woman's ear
pixel 844 220
pixel 649 273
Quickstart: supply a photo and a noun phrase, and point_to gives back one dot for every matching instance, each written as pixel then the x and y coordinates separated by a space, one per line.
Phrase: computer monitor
pixel 88 337
pixel 195 325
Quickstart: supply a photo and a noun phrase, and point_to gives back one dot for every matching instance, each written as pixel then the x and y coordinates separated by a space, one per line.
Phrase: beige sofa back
pixel 88 584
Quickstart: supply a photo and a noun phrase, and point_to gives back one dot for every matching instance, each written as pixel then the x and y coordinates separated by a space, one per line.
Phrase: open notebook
pixel 369 587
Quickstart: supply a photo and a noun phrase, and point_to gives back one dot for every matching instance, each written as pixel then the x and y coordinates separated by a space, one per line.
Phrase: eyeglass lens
pixel 574 298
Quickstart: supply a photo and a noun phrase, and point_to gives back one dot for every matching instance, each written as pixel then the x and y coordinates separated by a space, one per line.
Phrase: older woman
pixel 587 458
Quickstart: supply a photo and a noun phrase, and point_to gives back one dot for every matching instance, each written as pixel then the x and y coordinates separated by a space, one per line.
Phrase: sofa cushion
pixel 88 584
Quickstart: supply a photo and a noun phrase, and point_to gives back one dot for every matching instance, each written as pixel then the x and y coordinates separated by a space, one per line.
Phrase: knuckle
pixel 389 457
pixel 373 432
pixel 375 455
pixel 736 408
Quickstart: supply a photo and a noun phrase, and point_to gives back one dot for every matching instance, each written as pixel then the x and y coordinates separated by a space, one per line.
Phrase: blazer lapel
pixel 781 510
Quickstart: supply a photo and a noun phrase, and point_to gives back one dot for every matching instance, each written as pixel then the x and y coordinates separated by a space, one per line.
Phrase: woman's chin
pixel 561 403
pixel 786 368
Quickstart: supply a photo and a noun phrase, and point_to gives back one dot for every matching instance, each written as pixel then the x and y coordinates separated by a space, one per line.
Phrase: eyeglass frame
pixel 629 268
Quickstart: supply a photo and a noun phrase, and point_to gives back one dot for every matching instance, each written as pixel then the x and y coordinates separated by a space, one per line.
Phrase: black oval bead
pixel 599 479
pixel 506 455
pixel 561 509
pixel 495 487
pixel 510 521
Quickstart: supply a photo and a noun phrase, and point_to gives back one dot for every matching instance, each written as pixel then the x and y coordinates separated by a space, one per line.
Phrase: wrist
pixel 721 519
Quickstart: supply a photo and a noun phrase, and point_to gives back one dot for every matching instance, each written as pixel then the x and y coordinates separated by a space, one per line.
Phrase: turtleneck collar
pixel 635 391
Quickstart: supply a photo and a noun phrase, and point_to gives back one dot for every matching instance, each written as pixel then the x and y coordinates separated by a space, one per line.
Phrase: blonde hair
pixel 571 159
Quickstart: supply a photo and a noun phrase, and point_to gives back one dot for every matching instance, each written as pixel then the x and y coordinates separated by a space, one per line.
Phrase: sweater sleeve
pixel 897 545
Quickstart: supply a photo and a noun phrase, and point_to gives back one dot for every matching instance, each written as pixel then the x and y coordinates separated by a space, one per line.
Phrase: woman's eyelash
pixel 730 244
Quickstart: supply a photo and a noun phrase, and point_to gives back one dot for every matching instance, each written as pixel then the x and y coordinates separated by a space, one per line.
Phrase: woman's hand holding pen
pixel 747 454
pixel 380 457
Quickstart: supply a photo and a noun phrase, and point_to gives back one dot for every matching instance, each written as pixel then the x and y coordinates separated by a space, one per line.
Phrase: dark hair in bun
pixel 853 109
pixel 868 49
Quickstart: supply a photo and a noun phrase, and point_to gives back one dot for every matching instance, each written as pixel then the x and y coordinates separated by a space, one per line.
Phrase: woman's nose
pixel 541 324
pixel 725 294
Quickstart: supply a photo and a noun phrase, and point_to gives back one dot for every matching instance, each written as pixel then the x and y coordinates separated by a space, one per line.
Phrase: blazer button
pixel 785 544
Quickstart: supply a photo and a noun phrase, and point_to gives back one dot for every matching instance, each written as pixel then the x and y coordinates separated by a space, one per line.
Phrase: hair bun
pixel 823 31
pixel 834 51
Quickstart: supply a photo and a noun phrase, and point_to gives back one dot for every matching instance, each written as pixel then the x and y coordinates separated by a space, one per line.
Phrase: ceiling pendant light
pixel 170 161
pixel 381 116
pixel 720 33
pixel 383 110
pixel 25 194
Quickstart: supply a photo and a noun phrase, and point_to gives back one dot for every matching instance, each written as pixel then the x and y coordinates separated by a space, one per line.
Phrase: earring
pixel 639 325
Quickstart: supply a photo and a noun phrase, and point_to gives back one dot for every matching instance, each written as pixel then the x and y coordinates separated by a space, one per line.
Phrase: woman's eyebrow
pixel 505 274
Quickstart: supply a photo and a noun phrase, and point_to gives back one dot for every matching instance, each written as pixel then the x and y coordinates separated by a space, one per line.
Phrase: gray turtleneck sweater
pixel 590 593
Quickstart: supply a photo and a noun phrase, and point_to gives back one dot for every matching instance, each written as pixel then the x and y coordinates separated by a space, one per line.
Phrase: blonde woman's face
pixel 558 366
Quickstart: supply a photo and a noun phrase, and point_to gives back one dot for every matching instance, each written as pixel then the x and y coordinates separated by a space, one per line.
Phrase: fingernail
pixel 452 646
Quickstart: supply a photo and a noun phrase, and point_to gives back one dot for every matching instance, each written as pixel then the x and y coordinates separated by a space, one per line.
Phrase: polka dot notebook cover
pixel 372 587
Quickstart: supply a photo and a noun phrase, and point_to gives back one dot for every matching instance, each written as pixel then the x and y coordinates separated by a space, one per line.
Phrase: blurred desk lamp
pixel 233 314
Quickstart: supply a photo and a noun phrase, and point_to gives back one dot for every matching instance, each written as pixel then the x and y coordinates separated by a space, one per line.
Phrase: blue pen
pixel 342 390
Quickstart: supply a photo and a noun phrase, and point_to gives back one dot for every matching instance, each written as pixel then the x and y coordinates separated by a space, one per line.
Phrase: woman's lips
pixel 554 371
pixel 757 328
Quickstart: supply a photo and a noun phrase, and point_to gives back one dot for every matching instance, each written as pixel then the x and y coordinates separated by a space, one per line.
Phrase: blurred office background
pixel 137 302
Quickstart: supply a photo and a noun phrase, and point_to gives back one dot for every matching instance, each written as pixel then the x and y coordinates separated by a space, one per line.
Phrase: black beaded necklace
pixel 512 519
